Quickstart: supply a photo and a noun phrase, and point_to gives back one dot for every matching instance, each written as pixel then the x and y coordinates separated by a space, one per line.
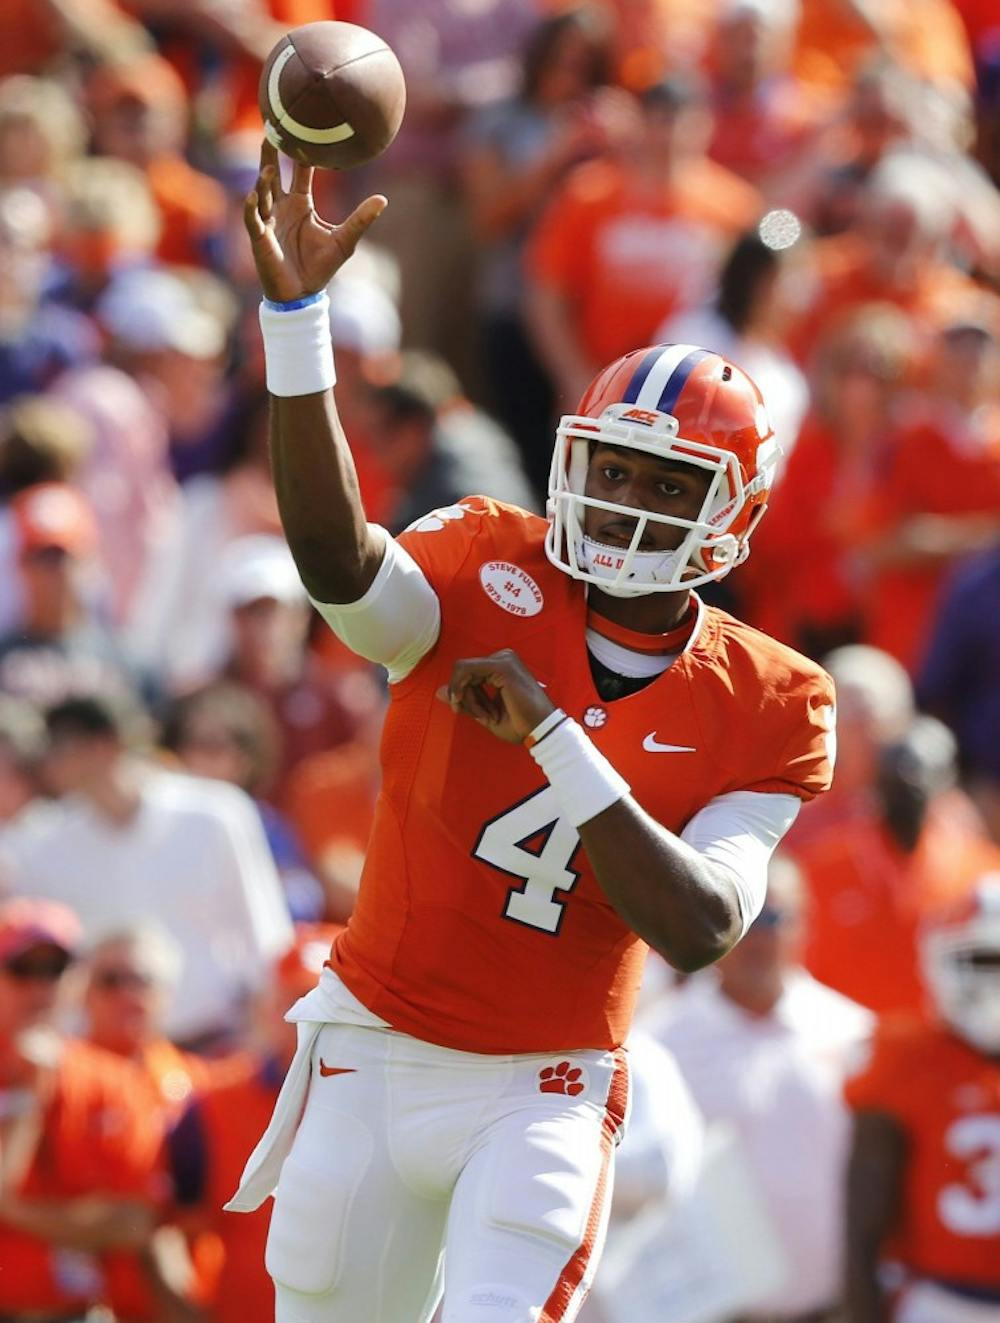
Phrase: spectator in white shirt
pixel 766 1048
pixel 127 841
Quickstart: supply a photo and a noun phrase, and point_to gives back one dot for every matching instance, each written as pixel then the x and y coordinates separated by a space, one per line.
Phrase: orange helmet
pixel 677 402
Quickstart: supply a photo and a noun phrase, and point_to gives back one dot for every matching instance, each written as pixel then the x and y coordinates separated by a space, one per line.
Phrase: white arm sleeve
pixel 739 833
pixel 398 620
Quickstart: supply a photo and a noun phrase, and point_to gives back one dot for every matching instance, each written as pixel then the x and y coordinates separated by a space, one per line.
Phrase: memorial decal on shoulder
pixel 511 588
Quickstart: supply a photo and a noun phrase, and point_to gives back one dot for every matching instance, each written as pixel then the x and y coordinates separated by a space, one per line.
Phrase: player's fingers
pixel 265 194
pixel 363 216
pixel 268 155
pixel 251 216
pixel 302 176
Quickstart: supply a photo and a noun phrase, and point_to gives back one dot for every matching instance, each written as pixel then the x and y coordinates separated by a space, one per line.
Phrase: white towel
pixel 260 1175
pixel 329 1003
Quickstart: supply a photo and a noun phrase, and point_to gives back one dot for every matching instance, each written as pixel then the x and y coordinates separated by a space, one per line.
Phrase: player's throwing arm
pixel 297 254
pixel 667 892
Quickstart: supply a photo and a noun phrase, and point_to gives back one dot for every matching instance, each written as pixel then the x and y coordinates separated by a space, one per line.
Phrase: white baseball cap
pixel 257 567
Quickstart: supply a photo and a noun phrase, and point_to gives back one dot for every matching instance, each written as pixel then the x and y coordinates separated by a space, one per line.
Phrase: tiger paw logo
pixel 565 1078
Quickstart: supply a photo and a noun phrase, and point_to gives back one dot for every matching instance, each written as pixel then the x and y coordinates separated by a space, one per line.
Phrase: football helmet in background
pixel 681 403
pixel 960 952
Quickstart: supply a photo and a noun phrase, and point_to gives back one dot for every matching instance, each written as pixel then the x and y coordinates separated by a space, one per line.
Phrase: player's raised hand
pixel 296 251
pixel 500 693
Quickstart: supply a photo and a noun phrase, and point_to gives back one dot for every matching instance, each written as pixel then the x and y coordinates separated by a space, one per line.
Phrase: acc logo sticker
pixel 510 588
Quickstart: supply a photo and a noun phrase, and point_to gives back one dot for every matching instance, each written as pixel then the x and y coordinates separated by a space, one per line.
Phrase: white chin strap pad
pixel 647 567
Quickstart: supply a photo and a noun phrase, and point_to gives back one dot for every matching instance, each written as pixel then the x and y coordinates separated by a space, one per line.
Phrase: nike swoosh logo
pixel 652 745
pixel 324 1069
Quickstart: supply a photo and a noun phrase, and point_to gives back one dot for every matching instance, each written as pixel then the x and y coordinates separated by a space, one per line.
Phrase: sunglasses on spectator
pixel 116 980
pixel 33 967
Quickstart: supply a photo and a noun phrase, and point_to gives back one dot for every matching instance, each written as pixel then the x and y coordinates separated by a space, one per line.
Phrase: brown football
pixel 332 94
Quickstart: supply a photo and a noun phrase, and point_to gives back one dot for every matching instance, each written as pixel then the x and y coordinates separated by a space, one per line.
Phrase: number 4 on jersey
pixel 532 842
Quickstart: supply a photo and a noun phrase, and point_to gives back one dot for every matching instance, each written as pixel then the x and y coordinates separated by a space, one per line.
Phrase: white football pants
pixel 416 1168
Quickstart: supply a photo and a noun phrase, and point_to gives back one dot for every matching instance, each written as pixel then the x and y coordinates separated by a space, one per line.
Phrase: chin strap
pixel 647 567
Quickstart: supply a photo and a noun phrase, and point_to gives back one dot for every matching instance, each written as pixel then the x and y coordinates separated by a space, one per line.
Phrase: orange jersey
pixel 99 1138
pixel 468 847
pixel 946 1098
pixel 628 262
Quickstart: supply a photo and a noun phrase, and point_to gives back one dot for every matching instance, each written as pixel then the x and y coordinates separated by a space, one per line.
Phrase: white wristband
pixel 584 781
pixel 298 351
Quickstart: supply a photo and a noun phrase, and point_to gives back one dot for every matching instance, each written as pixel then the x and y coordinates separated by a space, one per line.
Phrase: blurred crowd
pixel 188 762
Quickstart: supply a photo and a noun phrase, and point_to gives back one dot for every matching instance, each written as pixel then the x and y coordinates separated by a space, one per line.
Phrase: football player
pixel 579 759
pixel 923 1213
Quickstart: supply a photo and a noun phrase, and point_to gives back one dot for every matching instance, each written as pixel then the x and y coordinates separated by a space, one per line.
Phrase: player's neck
pixel 653 613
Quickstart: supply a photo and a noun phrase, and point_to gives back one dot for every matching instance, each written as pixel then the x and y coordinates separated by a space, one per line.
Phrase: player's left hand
pixel 500 693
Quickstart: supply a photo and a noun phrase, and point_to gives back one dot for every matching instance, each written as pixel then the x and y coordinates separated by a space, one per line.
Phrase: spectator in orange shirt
pixel 938 494
pixel 810 595
pixel 764 116
pixel 140 115
pixel 129 979
pixel 898 253
pixel 80 1147
pixel 628 241
pixel 219 1129
pixel 919 846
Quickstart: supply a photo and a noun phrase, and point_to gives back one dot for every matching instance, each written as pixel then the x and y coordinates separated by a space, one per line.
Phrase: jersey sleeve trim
pixel 398 620
pixel 738 832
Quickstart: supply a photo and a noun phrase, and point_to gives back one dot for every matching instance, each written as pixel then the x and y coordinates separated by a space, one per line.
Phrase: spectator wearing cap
pixel 140 115
pixel 109 222
pixel 765 1048
pixel 937 500
pixel 80 1149
pixel 171 332
pixel 316 707
pixel 125 840
pixel 630 240
pixel 215 1136
pixel 60 647
pixel 225 731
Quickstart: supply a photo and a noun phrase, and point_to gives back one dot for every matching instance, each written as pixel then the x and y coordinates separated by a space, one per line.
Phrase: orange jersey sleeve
pixel 479 923
pixel 945 1097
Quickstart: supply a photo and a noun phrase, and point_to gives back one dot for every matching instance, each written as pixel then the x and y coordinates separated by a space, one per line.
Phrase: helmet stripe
pixel 639 376
pixel 678 378
pixel 667 359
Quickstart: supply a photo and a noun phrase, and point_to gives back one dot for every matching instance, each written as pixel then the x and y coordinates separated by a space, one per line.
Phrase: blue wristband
pixel 295 303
